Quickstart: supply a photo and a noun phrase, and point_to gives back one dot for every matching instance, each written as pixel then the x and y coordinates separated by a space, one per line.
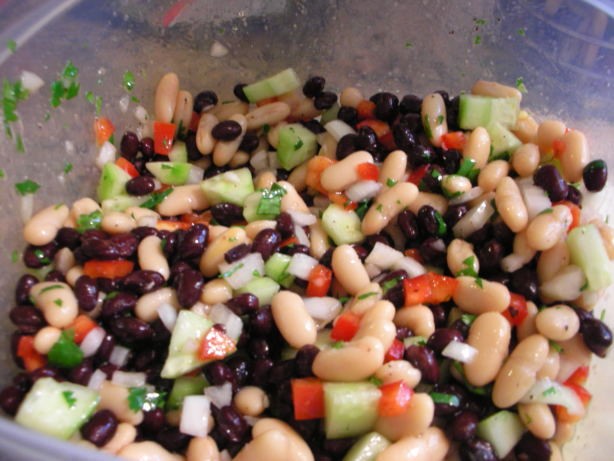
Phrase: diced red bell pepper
pixel 127 166
pixel 416 176
pixel 345 327
pixel 396 351
pixel 429 288
pixel 164 133
pixel 558 147
pixel 382 131
pixel 367 171
pixel 395 398
pixel 365 109
pixel 216 345
pixel 561 412
pixel 453 140
pixel 103 130
pixel 339 198
pixel 517 310
pixel 414 253
pixel 319 281
pixel 315 167
pixel 107 269
pixel 579 376
pixel 575 213
pixel 32 360
pixel 167 224
pixel 81 326
pixel 308 398
pixel 289 241
pixel 264 102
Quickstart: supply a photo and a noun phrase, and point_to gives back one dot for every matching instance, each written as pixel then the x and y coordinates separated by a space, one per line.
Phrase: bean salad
pixel 300 274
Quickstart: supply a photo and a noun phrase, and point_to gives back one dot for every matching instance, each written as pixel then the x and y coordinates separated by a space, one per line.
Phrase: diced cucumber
pixel 182 387
pixel 475 111
pixel 112 182
pixel 232 186
pixel 343 226
pixel 350 409
pixel 57 409
pixel 179 152
pixel 183 349
pixel 283 82
pixel 329 114
pixel 502 140
pixel 172 173
pixel 296 145
pixel 121 202
pixel 502 430
pixel 276 268
pixel 251 207
pixel 587 250
pixel 367 447
pixel 263 288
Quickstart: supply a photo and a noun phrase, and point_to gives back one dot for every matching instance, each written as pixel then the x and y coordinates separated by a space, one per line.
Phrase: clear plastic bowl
pixel 562 49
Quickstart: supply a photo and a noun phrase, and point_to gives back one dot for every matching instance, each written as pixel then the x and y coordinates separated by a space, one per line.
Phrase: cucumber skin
pixel 502 430
pixel 276 268
pixel 171 173
pixel 343 226
pixel 220 189
pixel 112 182
pixel 179 152
pixel 263 288
pixel 182 387
pixel 475 111
pixel 350 408
pixel 367 447
pixel 588 252
pixel 275 85
pixel 288 155
pixel 502 140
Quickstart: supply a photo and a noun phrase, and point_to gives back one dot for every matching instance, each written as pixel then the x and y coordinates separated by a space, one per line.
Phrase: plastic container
pixel 562 49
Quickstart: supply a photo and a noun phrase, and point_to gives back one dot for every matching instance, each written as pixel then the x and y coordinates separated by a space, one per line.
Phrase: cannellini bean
pixel 116 222
pixel 510 205
pixel 574 354
pixel 547 132
pixel 183 109
pixel 433 115
pixel 387 205
pixel 166 97
pixel 183 199
pixel 490 334
pixel 73 274
pixel 83 206
pixel 254 227
pixel 525 159
pixel 552 365
pixel 239 159
pixel 147 451
pixel 431 445
pixel 124 435
pixel 328 146
pixel 349 269
pixel 227 109
pixel 477 296
pixel 115 398
pixel 292 319
pixel 394 167
pixel 556 451
pixel 552 260
pixel 538 419
pixel 564 433
pixel 57 302
pixel 351 97
pixel 399 370
pixel 419 319
pixel 477 147
pixel 273 445
pixel 147 305
pixel 268 114
pixel 205 142
pixel 416 419
pixel 547 229
pixel 265 179
pixel 366 298
pixel 202 449
pixel 292 201
pixel 380 328
pixel 460 256
pixel 527 327
pixel 151 256
pixel 64 260
pixel 490 176
pixel 340 175
pixel 381 310
pixel 214 253
pixel 216 291
pixel 575 155
pixel 45 338
pixel 519 372
pixel 495 90
pixel 224 150
pixel 558 323
pixel 455 185
pixel 302 452
pixel 44 225
pixel 355 361
pixel 437 201
pixel 526 128
pixel 318 240
pixel 251 401
pixel 298 176
pixel 273 135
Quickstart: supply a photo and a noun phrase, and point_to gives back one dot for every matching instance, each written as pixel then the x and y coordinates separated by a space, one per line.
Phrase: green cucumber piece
pixel 188 332
pixel 178 153
pixel 275 85
pixel 182 387
pixel 367 447
pixel 350 409
pixel 502 140
pixel 475 111
pixel 276 268
pixel 263 288
pixel 587 251
pixel 343 226
pixel 172 173
pixel 502 430
pixel 296 145
pixel 112 182
pixel 57 409
pixel 121 202
pixel 330 114
pixel 232 187
pixel 250 208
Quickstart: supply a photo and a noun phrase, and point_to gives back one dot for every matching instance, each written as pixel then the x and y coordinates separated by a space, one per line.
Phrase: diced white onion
pixel 535 198
pixel 362 190
pixel 301 265
pixel 96 380
pixel 92 341
pixel 301 236
pixel 195 176
pixel 471 194
pixel 106 154
pixel 272 160
pixel 168 315
pixel 566 285
pixel 30 81
pixel 260 160
pixel 119 356
pixel 69 147
pixel 195 414
pixel 141 114
pixel 323 309
pixel 241 272
pixel 553 393
pixel 338 129
pixel 232 323
pixel 124 102
pixel 372 270
pixel 220 396
pixel 409 265
pixel 218 50
pixel 129 378
pixel 383 256
pixel 461 352
pixel 474 219
pixel 300 218
pixel 26 207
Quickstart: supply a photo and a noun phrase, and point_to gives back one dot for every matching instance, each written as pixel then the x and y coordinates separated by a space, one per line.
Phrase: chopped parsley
pixel 66 86
pixel 550 391
pixel 270 201
pixel 556 346
pixel 477 39
pixel 12 94
pixel 440 119
pixel 156 198
pixel 520 85
pixel 140 399
pixel 602 315
pixel 89 221
pixel 522 31
pixel 65 353
pixel 390 182
pixel 546 211
pixel 67 168
pixel 375 381
pixel 468 170
pixel 11 45
pixel 2 174
pixel 344 299
pixel 390 284
pixel 442 227
pixel 468 319
pixel 266 128
pixel 42 258
pixel 367 295
pixel 14 256
pixel 479 282
pixel 445 399
pixel 69 398
pixel 468 270
pixel 231 271
pixel 128 80
pixel 408 44
pixel 338 345
pixel 95 100
pixel 58 302
pixel 380 208
pixel 362 208
pixel 427 127
pixel 479 21
pixel 50 287
pixel 299 143
pixel 26 187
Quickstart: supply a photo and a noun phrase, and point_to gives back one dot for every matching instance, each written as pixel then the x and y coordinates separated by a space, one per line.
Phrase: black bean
pixel 477 450
pixel 403 332
pixel 597 336
pixel 143 281
pixel 227 130
pixel 410 104
pixel 455 399
pixel 454 213
pixel 280 374
pixel 130 329
pixel 490 255
pixel 452 109
pixel 409 225
pixel 227 214
pixel 214 171
pixel 236 253
pixel 403 137
pixel 261 321
pixel 22 288
pixel 143 231
pixel 440 315
pixel 46 372
pixel 170 241
pixel 303 360
pixel 96 248
pixel 386 106
pixel 574 195
pixel 411 121
pixel 260 371
pixel 424 360
pixel 502 234
pixel 204 100
pixel 284 225
pixel 86 292
pixel 153 421
pixel 249 142
pixel 36 257
pixel 314 126
pixel 325 100
pixel 10 399
pixel 282 175
pixel 193 243
pixel 548 178
pixel 143 359
pixel 348 115
pixel 218 373
pixel 524 281
pixel 240 369
pixel 430 221
pixel 54 276
pixel 107 285
pixel 27 319
pixel 449 160
pixel 481 235
pixel 595 175
pixel 314 86
pixel 367 139
pixel 258 348
pixel 125 245
pixel 463 426
pixel 106 347
pixel 129 145
pixel 231 424
pixel 294 249
pixel 396 295
pixel 237 90
pixel 68 237
pixel 441 337
pixel 146 146
pixel 191 147
pixel 433 251
pixel 118 304
pixel 141 185
pixel 337 448
pixel 188 284
pixel 243 304
pixel 530 448
pixel 82 373
pixel 347 145
pixel 178 268
pixel 445 95
pixel 172 439
pixel 266 243
pixel 22 381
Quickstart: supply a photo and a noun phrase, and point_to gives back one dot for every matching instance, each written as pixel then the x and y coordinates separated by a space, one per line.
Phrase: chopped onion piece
pixel 301 265
pixel 141 114
pixel 459 351
pixel 362 190
pixel 383 256
pixel 232 323
pixel 409 265
pixel 218 50
pixel 338 129
pixel 535 198
pixel 300 218
pixel 241 272
pixel 195 414
pixel 372 270
pixel 566 285
pixel 195 176
pixel 301 236
pixel 474 219
pixel 96 380
pixel 30 81
pixel 471 194
pixel 26 207
pixel 260 161
pixel 69 147
pixel 119 356
pixel 220 396
pixel 323 309
pixel 553 393
pixel 168 315
pixel 106 154
pixel 129 378
pixel 124 102
pixel 92 341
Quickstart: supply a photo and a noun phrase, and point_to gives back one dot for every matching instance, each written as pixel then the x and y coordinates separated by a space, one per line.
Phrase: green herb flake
pixel 390 284
pixel 41 257
pixel 375 381
pixel 556 346
pixel 135 99
pixel 367 295
pixel 550 391
pixel 468 319
pixel 66 86
pixel 344 299
pixel 26 187
pixel 231 271
pixel 69 398
pixel 51 287
pixel 522 31
pixel 442 227
pixel 270 201
pixel 156 198
pixel 520 85
pixel 427 127
pixel 477 39
pixel 89 221
pixel 380 208
pixel 338 345
pixel 12 94
pixel 479 282
pixel 65 353
pixel 11 45
pixel 111 295
pixel 128 81
pixel 58 302
pixel 67 167
pixel 602 315
pixel 479 21
pixel 298 144
pixel 2 174
pixel 445 399
pixel 440 119
pixel 14 256
pixel 266 128
pixel 390 182
pixel 362 208
pixel 139 398
pixel 409 44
